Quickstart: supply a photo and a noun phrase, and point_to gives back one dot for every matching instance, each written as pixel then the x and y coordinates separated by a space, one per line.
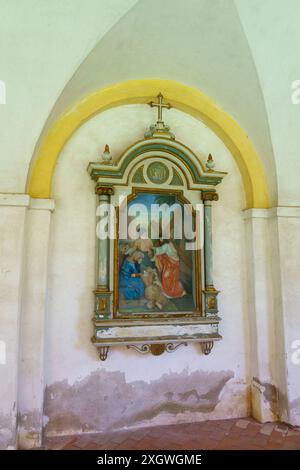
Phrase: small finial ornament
pixel 210 164
pixel 106 155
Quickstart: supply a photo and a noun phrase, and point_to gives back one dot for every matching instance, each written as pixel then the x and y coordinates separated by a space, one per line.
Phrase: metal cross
pixel 160 105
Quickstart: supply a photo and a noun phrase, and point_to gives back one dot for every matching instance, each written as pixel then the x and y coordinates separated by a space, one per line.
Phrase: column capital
pixel 209 196
pixel 102 190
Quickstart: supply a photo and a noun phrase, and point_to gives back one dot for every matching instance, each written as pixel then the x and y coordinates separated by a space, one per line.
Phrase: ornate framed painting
pixel 154 281
pixel 156 275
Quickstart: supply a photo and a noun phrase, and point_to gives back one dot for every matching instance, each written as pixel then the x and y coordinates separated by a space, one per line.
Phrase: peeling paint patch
pixel 31 420
pixel 30 427
pixel 7 431
pixel 104 400
pixel 269 392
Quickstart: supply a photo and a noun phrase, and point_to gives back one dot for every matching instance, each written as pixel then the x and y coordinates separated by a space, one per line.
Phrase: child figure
pixel 145 246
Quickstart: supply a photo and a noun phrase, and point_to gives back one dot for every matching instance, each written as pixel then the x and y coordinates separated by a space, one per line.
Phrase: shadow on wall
pixel 104 400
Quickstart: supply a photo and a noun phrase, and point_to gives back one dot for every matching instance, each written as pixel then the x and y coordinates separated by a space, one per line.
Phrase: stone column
pixel 13 211
pixel 285 268
pixel 264 395
pixel 102 292
pixel 273 260
pixel 210 293
pixel 32 326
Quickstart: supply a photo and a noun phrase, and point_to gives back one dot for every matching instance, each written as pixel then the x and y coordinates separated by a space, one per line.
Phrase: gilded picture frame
pixel 197 267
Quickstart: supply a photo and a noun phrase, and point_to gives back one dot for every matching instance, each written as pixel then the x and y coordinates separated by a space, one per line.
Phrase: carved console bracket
pixel 156 349
pixel 103 352
pixel 206 347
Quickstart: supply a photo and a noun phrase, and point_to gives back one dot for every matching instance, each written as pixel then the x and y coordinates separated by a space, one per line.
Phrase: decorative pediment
pixel 158 161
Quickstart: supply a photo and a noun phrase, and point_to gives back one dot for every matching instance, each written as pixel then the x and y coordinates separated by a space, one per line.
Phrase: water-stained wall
pixel 112 403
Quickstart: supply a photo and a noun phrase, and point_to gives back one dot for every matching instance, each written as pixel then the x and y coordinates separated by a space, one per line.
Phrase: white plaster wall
pixel 272 30
pixel 247 64
pixel 46 64
pixel 41 45
pixel 200 43
pixel 36 61
pixel 69 353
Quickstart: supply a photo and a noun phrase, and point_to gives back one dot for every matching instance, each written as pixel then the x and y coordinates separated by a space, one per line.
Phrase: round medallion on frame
pixel 157 172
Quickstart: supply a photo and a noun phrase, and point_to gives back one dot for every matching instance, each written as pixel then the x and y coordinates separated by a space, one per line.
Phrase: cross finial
pixel 160 105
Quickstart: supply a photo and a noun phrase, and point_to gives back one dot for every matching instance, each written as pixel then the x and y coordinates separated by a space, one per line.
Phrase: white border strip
pixel 280 211
pixel 24 200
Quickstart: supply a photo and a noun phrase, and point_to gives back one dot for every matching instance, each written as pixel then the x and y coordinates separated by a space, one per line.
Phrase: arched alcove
pixel 72 365
pixel 182 97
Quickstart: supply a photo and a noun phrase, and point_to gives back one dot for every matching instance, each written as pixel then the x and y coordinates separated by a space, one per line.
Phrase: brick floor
pixel 227 434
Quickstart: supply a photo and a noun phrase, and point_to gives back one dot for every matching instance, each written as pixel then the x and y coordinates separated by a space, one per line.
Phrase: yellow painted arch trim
pixel 185 98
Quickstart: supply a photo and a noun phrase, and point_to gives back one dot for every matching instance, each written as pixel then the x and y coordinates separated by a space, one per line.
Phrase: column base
pixel 264 401
pixel 103 304
pixel 210 300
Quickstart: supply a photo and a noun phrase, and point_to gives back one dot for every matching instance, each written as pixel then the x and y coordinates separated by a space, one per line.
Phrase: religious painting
pixel 157 269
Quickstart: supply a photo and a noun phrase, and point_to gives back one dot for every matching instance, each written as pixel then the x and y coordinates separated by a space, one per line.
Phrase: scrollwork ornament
pixel 144 349
pixel 171 347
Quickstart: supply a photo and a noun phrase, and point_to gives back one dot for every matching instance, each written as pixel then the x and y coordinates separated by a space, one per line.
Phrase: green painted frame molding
pixel 181 155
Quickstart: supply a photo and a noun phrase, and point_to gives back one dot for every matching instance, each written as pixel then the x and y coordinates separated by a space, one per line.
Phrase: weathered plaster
pixel 7 431
pixel 295 410
pixel 269 393
pixel 103 400
pixel 29 429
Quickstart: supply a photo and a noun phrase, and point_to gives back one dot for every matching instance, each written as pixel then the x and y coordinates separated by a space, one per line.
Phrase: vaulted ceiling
pixel 242 54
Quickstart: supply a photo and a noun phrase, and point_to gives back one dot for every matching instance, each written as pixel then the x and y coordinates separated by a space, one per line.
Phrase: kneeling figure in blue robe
pixel 131 284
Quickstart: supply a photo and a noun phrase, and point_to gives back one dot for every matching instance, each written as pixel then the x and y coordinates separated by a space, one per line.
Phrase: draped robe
pixel 168 264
